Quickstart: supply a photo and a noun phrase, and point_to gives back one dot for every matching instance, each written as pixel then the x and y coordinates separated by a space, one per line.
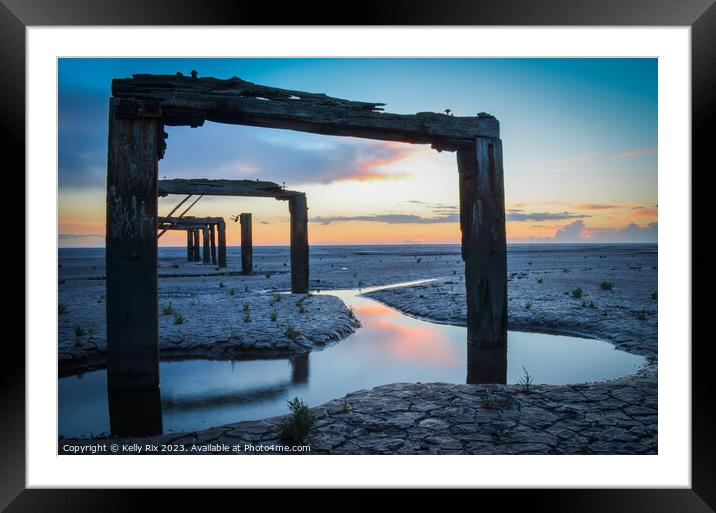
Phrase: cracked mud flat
pixel 615 417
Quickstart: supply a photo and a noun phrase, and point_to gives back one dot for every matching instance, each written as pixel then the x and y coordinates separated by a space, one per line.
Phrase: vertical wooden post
pixel 205 237
pixel 189 246
pixel 212 230
pixel 247 247
pixel 135 130
pixel 222 244
pixel 299 368
pixel 484 248
pixel 197 257
pixel 299 243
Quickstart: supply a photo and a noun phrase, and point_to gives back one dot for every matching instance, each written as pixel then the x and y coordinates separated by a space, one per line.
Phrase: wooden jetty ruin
pixel 140 108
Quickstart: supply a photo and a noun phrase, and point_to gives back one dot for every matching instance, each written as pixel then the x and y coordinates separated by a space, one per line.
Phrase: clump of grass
pixel 351 313
pixel 247 312
pixel 346 405
pixel 419 260
pixel 274 315
pixel 641 315
pixel 246 288
pixel 79 330
pixel 178 318
pixel 268 275
pixel 168 309
pixel 276 297
pixel 232 292
pixel 301 306
pixel 291 333
pixel 61 308
pixel 654 295
pixel 588 305
pixel 577 293
pixel 100 299
pixel 540 280
pixel 221 285
pixel 606 285
pixel 528 305
pixel 526 382
pixel 488 400
pixel 193 302
pixel 175 266
pixel 296 427
pixel 247 307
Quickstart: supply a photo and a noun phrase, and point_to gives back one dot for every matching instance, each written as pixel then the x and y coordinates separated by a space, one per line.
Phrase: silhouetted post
pixel 484 249
pixel 299 243
pixel 197 256
pixel 205 237
pixel 247 247
pixel 189 246
pixel 135 146
pixel 222 244
pixel 212 230
pixel 486 364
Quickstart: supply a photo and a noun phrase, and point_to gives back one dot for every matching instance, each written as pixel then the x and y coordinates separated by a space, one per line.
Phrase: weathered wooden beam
pixel 221 227
pixel 189 244
pixel 131 248
pixel 197 256
pixel 197 221
pixel 299 368
pixel 191 101
pixel 484 249
pixel 212 230
pixel 299 243
pixel 486 364
pixel 205 236
pixel 208 187
pixel 247 246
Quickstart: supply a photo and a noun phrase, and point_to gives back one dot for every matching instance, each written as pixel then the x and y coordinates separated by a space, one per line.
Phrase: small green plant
pixel 168 309
pixel 488 400
pixel 247 316
pixel 577 293
pixel 61 309
pixel 274 315
pixel 79 330
pixel 528 305
pixel 526 381
pixel 540 280
pixel 351 313
pixel 301 306
pixel 193 302
pixel 247 307
pixel 178 318
pixel 654 295
pixel 221 285
pixel 232 292
pixel 268 275
pixel 246 288
pixel 641 315
pixel 419 260
pixel 276 297
pixel 296 427
pixel 606 285
pixel 291 333
pixel 346 405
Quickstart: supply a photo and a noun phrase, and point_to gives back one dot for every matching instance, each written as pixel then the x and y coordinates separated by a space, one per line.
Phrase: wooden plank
pixel 221 227
pixel 131 251
pixel 191 101
pixel 196 256
pixel 484 249
pixel 189 245
pixel 247 247
pixel 198 221
pixel 205 237
pixel 212 230
pixel 208 187
pixel 299 244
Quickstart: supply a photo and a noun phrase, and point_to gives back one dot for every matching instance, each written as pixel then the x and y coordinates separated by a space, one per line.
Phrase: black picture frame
pixel 700 15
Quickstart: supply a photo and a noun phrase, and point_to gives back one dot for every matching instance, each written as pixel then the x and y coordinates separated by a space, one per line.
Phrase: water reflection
pixel 389 348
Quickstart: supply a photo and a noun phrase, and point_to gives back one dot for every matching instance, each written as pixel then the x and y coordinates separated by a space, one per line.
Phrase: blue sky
pixel 579 139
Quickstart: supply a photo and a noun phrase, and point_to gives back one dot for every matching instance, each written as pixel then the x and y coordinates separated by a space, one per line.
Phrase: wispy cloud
pixel 520 215
pixel 388 218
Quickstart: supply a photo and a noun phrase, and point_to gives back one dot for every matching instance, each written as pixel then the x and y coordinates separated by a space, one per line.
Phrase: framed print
pixel 423 256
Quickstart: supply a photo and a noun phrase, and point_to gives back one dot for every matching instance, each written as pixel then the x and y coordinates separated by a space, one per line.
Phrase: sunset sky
pixel 579 141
